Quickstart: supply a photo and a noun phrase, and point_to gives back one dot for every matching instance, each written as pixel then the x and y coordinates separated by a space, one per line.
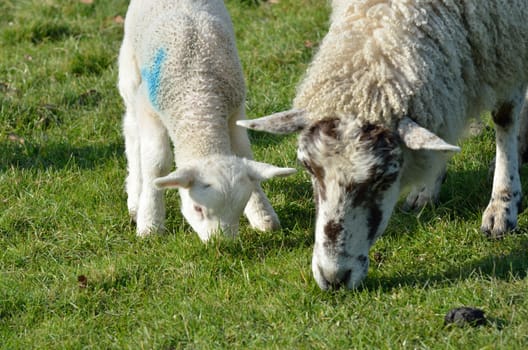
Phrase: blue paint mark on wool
pixel 152 76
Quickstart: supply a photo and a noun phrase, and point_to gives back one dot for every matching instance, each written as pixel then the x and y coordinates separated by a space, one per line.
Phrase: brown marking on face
pixel 503 116
pixel 332 230
pixel 318 173
pixel 326 127
pixel 383 143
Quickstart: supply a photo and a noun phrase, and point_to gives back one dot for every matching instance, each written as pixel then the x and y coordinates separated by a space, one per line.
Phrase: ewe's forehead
pixel 347 149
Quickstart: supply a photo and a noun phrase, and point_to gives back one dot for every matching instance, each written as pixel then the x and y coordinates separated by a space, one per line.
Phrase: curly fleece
pixel 188 60
pixel 437 61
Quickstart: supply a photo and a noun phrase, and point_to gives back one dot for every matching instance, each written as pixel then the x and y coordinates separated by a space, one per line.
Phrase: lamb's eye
pixel 206 185
pixel 198 209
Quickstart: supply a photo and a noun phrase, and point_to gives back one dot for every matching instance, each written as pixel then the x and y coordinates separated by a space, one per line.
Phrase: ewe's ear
pixel 262 171
pixel 417 138
pixel 279 123
pixel 181 178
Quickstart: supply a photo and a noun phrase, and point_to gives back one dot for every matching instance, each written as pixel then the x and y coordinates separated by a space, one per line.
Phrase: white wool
pixel 200 80
pixel 181 79
pixel 440 62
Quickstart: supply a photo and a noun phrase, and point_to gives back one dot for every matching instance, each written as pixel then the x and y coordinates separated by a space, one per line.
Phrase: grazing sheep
pixel 180 78
pixel 393 84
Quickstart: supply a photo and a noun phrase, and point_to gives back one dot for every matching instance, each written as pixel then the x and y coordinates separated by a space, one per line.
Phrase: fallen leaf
pixel 309 44
pixel 119 19
pixel 87 1
pixel 83 281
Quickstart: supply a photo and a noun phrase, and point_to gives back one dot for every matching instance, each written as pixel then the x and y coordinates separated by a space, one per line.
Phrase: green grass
pixel 63 215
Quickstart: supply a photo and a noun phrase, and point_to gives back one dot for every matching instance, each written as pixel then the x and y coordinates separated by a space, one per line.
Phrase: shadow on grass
pixel 264 139
pixel 24 155
pixel 503 267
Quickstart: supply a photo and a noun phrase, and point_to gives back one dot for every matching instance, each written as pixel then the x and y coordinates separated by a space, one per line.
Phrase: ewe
pixel 180 78
pixel 391 81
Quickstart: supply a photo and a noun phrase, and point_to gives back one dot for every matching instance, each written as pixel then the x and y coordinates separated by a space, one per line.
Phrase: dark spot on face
pixel 373 221
pixel 318 173
pixel 327 127
pixel 503 116
pixel 332 230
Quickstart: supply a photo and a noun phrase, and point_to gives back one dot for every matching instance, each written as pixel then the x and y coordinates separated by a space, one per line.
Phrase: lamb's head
pixel 214 191
pixel 356 170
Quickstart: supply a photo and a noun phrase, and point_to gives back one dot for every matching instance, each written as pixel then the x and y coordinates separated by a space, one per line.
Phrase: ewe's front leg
pixel 156 158
pixel 501 214
pixel 258 210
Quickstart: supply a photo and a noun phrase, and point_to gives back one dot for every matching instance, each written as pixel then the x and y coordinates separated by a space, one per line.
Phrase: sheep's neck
pixel 200 138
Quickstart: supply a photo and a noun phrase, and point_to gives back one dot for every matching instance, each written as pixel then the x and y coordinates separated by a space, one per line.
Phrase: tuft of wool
pixel 440 62
pixel 187 56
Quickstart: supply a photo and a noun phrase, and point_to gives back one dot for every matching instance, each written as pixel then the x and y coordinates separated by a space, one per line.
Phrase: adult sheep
pixel 391 88
pixel 180 78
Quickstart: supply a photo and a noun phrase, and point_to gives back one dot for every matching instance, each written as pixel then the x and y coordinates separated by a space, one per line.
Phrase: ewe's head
pixel 356 170
pixel 214 191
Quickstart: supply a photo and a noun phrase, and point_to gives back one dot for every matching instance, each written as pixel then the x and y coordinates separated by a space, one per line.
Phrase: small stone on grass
pixel 462 316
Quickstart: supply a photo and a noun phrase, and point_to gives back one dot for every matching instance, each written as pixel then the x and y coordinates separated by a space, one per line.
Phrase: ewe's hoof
pixel 500 217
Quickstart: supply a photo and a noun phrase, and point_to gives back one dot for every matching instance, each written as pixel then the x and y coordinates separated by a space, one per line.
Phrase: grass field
pixel 73 274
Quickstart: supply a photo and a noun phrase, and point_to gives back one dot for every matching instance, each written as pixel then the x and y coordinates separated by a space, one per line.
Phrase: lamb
pixel 386 96
pixel 181 80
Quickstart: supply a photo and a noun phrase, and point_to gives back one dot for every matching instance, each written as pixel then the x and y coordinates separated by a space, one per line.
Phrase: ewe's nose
pixel 332 279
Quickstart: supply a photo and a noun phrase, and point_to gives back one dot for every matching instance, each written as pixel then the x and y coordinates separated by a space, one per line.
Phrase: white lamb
pixel 180 78
pixel 391 81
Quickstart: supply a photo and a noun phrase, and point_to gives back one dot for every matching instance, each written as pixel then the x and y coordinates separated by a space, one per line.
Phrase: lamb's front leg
pixel 133 180
pixel 258 210
pixel 501 214
pixel 155 162
pixel 427 193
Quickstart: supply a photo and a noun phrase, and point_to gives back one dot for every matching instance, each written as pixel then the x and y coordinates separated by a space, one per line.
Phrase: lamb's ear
pixel 416 137
pixel 262 171
pixel 181 178
pixel 279 123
